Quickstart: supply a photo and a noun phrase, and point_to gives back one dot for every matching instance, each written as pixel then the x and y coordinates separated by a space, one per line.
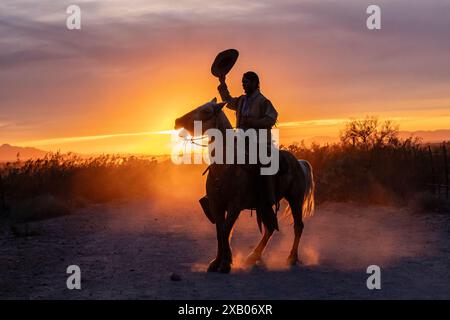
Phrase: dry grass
pixel 51 186
pixel 370 165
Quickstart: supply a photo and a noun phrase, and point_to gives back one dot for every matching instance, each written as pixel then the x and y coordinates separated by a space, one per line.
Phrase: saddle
pixel 253 170
pixel 263 216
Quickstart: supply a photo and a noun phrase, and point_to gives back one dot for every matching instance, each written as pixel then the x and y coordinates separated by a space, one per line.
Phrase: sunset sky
pixel 136 65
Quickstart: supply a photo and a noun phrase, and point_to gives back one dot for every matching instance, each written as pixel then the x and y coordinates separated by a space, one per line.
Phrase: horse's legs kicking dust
pixel 227 259
pixel 257 252
pixel 296 208
pixel 220 222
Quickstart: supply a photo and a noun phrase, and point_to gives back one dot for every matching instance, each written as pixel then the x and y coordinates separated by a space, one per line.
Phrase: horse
pixel 230 188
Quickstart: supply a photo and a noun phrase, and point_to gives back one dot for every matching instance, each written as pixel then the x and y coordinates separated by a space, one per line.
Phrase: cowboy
pixel 255 111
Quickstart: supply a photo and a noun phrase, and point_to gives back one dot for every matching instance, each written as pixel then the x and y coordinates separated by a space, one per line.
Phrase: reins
pixel 193 139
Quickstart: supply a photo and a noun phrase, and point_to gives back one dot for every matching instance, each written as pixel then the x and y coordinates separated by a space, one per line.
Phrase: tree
pixel 369 132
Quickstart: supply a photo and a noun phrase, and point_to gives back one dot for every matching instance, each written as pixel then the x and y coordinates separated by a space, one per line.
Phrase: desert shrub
pixel 55 184
pixel 38 207
pixel 428 202
pixel 49 184
pixel 371 164
pixel 68 176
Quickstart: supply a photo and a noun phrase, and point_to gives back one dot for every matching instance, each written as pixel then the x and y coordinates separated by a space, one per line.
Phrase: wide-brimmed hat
pixel 224 61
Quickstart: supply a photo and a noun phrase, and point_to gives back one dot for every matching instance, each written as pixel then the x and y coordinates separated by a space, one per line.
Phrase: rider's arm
pixel 232 103
pixel 260 123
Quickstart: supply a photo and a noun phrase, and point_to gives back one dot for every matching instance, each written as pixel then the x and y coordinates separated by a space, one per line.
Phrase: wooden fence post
pixel 2 196
pixel 445 168
pixel 433 186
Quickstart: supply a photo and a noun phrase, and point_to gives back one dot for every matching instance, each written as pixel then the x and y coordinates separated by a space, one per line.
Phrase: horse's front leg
pixel 227 258
pixel 215 264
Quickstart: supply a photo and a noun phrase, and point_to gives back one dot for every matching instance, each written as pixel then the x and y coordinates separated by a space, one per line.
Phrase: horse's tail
pixel 308 197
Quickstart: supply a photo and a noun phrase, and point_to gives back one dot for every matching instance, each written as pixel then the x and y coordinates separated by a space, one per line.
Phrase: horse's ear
pixel 214 100
pixel 219 106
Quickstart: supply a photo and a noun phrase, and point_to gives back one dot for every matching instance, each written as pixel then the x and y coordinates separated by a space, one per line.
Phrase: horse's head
pixel 207 114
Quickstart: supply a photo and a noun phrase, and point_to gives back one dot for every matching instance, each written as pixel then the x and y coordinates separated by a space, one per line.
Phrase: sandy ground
pixel 130 250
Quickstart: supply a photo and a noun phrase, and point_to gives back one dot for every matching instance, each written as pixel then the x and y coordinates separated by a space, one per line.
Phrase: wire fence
pixel 439 164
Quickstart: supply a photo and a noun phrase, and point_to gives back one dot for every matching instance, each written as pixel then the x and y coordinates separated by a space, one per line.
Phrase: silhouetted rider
pixel 254 111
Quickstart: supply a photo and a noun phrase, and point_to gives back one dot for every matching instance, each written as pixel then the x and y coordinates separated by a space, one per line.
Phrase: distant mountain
pixel 9 153
pixel 432 136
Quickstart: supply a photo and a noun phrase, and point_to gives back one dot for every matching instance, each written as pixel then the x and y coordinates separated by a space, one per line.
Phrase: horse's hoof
pixel 212 269
pixel 252 259
pixel 225 267
pixel 292 261
pixel 214 266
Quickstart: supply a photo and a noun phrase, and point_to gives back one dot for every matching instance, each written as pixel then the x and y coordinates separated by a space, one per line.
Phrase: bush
pixel 371 164
pixel 38 207
pixel 427 202
pixel 54 185
pixel 49 186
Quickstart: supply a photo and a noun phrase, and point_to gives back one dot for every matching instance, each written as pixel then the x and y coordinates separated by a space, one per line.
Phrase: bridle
pixel 193 140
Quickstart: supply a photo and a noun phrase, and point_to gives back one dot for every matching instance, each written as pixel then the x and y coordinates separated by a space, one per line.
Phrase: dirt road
pixel 130 250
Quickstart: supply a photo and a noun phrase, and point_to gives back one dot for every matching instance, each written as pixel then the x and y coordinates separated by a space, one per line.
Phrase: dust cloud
pixel 343 236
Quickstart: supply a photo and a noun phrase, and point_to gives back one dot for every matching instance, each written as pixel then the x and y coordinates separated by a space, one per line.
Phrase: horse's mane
pixel 222 122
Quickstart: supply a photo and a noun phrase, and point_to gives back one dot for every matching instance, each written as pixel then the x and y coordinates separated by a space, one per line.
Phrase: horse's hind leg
pixel 296 209
pixel 257 252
